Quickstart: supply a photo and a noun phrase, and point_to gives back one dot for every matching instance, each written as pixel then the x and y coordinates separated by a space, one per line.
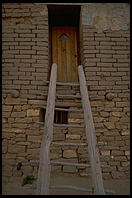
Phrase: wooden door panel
pixel 64 49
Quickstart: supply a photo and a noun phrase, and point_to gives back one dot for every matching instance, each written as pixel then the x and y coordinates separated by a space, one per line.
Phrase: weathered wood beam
pixel 71 187
pixel 97 180
pixel 65 125
pixel 69 143
pixel 64 109
pixel 45 167
pixel 63 96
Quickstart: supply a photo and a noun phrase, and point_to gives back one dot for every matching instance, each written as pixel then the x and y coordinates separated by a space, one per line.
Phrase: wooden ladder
pixel 43 183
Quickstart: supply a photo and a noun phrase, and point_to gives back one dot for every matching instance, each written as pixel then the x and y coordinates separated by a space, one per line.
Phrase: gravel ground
pixel 121 187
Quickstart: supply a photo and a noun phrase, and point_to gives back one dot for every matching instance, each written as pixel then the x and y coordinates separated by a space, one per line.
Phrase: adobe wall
pixel 25 46
pixel 104 39
pixel 105 50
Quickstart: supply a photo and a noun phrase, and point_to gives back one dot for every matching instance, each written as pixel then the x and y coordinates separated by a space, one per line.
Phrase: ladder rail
pixel 45 167
pixel 43 182
pixel 91 137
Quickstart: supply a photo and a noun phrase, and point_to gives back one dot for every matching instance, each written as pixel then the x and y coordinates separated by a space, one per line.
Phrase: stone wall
pixel 105 50
pixel 105 57
pixel 25 57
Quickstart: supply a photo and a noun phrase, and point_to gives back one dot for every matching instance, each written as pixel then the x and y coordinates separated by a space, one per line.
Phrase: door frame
pixel 57 22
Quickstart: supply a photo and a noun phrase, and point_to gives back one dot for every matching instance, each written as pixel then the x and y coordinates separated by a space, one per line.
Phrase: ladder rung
pixel 69 125
pixel 65 104
pixel 69 144
pixel 64 125
pixel 73 96
pixel 67 96
pixel 72 110
pixel 64 84
pixel 71 187
pixel 63 96
pixel 63 109
pixel 78 188
pixel 76 144
pixel 75 164
pixel 69 163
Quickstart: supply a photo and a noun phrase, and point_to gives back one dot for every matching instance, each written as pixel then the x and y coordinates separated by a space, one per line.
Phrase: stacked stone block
pixel 106 61
pixel 25 57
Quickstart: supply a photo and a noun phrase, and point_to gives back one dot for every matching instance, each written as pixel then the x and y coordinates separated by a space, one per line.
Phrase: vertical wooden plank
pixel 59 48
pixel 63 57
pixel 68 54
pixel 44 166
pixel 76 58
pixel 91 137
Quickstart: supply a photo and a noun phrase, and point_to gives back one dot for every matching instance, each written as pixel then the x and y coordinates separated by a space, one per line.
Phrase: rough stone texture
pixel 25 55
pixel 105 53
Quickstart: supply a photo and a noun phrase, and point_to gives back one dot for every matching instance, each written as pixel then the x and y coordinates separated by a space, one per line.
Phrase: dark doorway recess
pixel 64 15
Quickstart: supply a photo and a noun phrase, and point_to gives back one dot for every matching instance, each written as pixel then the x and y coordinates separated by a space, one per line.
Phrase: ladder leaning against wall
pixel 43 182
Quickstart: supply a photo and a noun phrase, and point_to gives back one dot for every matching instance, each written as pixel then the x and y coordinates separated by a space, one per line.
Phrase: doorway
pixel 64 41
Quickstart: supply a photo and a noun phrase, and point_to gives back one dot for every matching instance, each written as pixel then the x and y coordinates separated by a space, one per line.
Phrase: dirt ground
pixel 121 187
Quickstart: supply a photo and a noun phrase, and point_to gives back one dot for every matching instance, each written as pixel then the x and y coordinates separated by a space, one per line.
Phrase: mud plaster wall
pixel 107 16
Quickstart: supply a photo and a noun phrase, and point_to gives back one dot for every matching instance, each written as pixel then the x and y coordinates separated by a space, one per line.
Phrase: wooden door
pixel 64 53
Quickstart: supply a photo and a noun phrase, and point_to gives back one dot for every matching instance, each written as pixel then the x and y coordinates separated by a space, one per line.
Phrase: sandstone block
pixel 18 114
pixel 125 163
pixel 4 146
pixel 33 151
pixel 72 137
pixel 69 169
pixel 55 155
pixel 12 101
pixel 105 152
pixel 104 114
pixel 125 132
pixel 117 152
pixel 18 131
pixel 15 93
pixel 6 108
pixel 73 120
pixel 16 149
pixel 122 104
pixel 109 125
pixel 116 114
pixel 69 154
pixel 110 96
pixel 127 152
pixel 34 138
pixel 32 112
pixel 59 136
